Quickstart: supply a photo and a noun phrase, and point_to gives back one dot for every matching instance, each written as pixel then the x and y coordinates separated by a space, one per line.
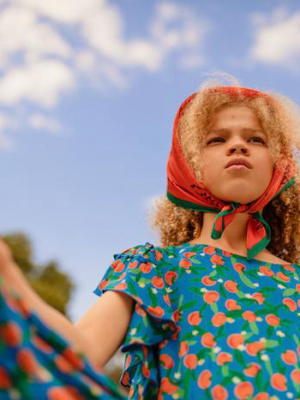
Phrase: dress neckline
pixel 228 254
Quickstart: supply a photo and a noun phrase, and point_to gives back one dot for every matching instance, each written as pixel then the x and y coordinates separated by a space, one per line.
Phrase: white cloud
pixel 177 26
pixel 85 61
pixel 41 83
pixel 277 38
pixel 21 31
pixel 41 122
pixel 47 46
pixel 34 30
pixel 64 11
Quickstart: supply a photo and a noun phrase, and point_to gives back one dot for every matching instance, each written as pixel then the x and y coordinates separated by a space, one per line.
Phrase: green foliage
pixel 52 285
pixel 20 247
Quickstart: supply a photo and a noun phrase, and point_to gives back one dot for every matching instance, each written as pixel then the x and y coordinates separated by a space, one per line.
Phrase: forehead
pixel 234 115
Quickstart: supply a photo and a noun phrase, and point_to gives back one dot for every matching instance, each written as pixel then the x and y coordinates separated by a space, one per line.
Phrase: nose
pixel 239 147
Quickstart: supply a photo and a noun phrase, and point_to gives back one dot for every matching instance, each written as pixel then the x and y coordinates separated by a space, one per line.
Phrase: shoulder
pixel 269 257
pixel 143 250
pixel 162 258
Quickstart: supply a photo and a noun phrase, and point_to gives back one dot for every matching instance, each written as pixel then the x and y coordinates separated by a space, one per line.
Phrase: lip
pixel 239 162
pixel 237 166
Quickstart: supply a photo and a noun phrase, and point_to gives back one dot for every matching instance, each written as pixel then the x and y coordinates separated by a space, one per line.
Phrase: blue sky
pixel 88 93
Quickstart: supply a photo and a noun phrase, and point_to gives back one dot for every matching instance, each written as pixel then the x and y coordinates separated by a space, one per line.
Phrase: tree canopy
pixel 52 285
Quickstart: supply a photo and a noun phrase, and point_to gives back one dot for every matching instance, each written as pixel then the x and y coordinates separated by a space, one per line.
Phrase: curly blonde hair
pixel 280 119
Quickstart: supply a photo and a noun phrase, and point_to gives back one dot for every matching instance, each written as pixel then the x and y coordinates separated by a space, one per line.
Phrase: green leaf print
pixel 223 292
pixel 259 381
pixel 279 366
pixel 163 263
pixel 271 343
pixel 180 393
pixel 286 323
pixel 187 336
pixel 226 381
pixel 196 280
pixel 222 271
pixel 169 251
pixel 270 331
pixel 203 307
pixel 288 292
pixel 180 301
pixel 194 261
pixel 132 288
pixel 268 265
pixel 239 358
pixel 262 312
pixel 194 375
pixel 267 289
pixel 214 307
pixel 138 328
pixel 246 281
pixel 187 381
pixel 295 337
pixel 269 367
pixel 234 314
pixel 195 270
pixel 203 353
pixel 296 276
pixel 224 370
pixel 220 331
pixel 152 296
pixel 252 273
pixel 248 335
pixel 189 304
pixel 245 302
pixel 254 327
pixel 145 321
pixel 181 273
pixel 195 289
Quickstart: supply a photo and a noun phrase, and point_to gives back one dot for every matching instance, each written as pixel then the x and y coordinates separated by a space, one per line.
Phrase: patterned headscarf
pixel 184 190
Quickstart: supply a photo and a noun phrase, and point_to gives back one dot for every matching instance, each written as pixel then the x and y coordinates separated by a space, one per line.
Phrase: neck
pixel 233 238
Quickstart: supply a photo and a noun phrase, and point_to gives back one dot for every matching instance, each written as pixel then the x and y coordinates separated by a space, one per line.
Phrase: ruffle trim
pixel 141 369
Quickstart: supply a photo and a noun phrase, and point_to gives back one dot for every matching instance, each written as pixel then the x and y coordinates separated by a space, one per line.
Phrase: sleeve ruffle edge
pixel 136 272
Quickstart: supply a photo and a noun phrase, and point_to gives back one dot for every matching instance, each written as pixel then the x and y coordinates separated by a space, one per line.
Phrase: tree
pixel 52 285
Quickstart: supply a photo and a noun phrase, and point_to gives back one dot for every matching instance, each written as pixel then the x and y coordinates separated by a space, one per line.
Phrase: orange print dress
pixel 207 324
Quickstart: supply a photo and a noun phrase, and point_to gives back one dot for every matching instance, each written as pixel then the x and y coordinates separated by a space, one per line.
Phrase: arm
pixel 100 331
pixel 106 323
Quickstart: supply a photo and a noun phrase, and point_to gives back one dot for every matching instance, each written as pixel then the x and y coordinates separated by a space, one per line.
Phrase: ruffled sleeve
pixel 137 273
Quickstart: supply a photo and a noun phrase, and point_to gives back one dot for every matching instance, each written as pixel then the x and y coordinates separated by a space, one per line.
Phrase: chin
pixel 238 199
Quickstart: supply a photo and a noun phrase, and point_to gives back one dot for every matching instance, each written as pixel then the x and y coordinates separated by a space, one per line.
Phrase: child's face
pixel 241 137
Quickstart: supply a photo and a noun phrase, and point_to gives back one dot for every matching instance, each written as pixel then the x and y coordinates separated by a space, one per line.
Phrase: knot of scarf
pixel 184 190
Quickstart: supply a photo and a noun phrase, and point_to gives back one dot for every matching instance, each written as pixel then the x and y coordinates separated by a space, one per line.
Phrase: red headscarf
pixel 184 190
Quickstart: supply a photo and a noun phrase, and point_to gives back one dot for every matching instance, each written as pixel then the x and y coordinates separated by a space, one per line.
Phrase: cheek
pixel 211 167
pixel 266 177
pixel 267 166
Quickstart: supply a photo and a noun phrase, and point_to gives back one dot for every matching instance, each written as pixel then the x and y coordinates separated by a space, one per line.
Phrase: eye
pixel 216 138
pixel 257 137
pixel 212 140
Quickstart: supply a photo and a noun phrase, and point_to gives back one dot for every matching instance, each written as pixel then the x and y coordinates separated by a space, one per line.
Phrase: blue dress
pixel 207 324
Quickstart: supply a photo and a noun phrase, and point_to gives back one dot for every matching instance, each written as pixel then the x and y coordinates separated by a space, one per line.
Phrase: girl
pixel 209 314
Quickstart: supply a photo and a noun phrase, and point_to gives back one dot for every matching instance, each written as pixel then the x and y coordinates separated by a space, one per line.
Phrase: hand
pixel 6 259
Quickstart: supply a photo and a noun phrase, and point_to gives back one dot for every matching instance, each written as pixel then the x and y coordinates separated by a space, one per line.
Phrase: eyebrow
pixel 224 130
